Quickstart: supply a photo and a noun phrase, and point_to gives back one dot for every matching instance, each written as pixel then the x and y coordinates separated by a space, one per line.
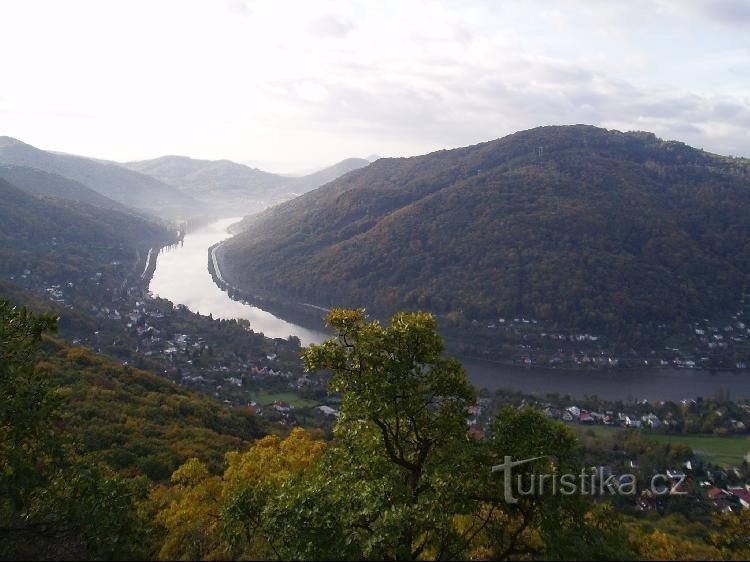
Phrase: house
pixel 282 406
pixel 328 411
pixel 651 420
pixel 723 504
pixel 567 416
pixel 741 494
pixel 551 412
pixel 475 410
pixel 632 422
pixel 586 418
pixel 574 411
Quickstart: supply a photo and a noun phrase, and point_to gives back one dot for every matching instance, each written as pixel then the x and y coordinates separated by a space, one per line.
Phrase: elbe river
pixel 182 276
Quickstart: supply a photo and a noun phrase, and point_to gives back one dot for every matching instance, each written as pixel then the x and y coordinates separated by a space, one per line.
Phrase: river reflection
pixel 615 384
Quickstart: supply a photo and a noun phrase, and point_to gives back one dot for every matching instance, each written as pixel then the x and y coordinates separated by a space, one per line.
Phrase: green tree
pixel 53 504
pixel 389 485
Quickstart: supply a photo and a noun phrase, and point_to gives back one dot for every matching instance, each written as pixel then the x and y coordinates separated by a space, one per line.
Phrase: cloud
pixel 311 91
pixel 241 7
pixel 329 79
pixel 331 25
pixel 734 13
pixel 466 104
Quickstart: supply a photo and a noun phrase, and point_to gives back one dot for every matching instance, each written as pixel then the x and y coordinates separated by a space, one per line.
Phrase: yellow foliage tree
pixel 208 517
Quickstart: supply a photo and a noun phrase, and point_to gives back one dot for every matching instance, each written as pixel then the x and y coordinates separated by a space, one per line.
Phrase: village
pixel 625 442
pixel 705 344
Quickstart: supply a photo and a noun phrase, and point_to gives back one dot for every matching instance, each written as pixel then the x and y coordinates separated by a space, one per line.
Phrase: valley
pixel 168 355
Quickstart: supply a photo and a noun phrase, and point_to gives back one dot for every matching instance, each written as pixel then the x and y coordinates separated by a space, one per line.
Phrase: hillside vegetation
pixel 576 226
pixel 43 184
pixel 61 240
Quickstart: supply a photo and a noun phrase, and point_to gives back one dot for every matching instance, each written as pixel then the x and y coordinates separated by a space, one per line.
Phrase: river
pixel 182 276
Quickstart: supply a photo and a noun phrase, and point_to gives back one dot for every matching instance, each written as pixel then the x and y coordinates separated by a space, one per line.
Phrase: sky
pixel 294 86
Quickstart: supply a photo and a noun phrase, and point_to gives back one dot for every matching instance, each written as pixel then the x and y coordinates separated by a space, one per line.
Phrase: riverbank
pixel 310 316
pixel 186 274
pixel 588 356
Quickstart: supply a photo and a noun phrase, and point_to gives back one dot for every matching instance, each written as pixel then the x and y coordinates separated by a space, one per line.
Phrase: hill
pixel 63 240
pixel 575 226
pixel 139 423
pixel 230 188
pixel 311 181
pixel 43 184
pixel 111 180
pixel 224 185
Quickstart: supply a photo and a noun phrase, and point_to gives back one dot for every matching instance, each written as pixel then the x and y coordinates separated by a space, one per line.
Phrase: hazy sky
pixel 295 85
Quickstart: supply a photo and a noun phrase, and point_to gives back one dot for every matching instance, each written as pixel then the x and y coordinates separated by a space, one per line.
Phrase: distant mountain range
pixel 115 182
pixel 170 187
pixel 231 188
pixel 576 226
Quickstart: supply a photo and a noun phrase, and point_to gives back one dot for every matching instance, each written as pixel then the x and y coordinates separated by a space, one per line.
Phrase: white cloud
pixel 315 82
pixel 331 25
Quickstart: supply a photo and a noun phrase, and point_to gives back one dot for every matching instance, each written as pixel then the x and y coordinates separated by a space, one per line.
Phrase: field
pixel 290 397
pixel 719 450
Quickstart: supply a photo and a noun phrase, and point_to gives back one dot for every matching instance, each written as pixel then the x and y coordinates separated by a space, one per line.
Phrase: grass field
pixel 290 397
pixel 719 450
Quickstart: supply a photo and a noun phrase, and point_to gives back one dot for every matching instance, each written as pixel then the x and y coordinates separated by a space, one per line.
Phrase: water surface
pixel 182 276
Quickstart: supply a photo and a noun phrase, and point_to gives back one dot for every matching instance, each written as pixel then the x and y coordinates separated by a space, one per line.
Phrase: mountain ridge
pixel 571 224
pixel 111 180
pixel 229 186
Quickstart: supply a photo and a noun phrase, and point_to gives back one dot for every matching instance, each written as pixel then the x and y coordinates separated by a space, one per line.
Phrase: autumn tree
pixel 205 516
pixel 53 504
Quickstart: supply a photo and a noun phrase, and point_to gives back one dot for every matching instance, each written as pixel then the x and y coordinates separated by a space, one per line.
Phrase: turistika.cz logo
pixel 584 483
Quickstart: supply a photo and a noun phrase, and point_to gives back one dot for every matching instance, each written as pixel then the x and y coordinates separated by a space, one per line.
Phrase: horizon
pixel 293 90
pixel 371 158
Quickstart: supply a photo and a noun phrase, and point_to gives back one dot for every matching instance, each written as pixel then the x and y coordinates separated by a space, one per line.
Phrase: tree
pixel 53 504
pixel 552 525
pixel 207 517
pixel 401 479
pixel 27 405
pixel 389 482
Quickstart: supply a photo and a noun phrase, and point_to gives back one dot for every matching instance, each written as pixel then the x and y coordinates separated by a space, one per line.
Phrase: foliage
pixel 206 517
pixel 51 504
pixel 606 231
pixel 402 479
pixel 138 423
pixel 62 241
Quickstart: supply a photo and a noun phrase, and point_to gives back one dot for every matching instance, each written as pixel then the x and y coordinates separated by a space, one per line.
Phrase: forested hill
pixel 61 240
pixel 574 225
pixel 43 184
pixel 125 186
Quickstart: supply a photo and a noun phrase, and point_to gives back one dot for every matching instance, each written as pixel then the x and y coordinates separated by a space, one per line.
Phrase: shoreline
pixel 303 316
